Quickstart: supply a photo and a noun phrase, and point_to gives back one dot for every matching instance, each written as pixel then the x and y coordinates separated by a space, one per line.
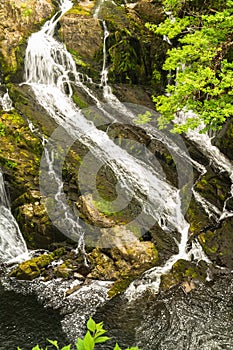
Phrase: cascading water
pixel 5 101
pixel 219 161
pixel 12 245
pixel 48 68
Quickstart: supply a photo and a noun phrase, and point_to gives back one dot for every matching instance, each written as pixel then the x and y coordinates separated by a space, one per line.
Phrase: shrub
pixel 94 335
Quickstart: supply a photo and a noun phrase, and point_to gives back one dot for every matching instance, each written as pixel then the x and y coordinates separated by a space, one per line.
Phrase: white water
pixel 12 245
pixel 219 161
pixel 5 101
pixel 48 70
pixel 50 92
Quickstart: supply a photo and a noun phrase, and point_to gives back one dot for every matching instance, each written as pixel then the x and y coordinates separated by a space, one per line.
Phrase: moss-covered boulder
pixel 31 269
pixel 82 35
pixel 213 187
pixel 218 243
pixel 185 273
pixel 63 262
pixel 121 255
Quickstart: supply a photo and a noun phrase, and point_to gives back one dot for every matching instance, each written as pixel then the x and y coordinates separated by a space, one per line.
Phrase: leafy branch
pixel 94 335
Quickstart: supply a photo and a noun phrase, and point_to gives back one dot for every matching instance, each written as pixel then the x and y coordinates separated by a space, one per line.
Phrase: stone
pixel 218 243
pixel 90 211
pixel 31 269
pixel 18 19
pixel 120 254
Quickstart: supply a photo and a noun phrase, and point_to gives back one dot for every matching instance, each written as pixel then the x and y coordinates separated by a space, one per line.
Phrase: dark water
pixel 199 320
pixel 24 322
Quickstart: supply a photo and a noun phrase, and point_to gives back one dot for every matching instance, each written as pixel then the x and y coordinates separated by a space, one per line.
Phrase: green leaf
pixel 88 341
pixel 117 347
pixel 91 325
pixel 37 348
pixel 101 339
pixel 54 343
pixel 67 347
pixel 80 344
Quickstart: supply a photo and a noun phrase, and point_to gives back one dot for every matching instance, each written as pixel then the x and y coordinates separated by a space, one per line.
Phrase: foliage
pixel 143 118
pixel 2 129
pixel 94 335
pixel 200 66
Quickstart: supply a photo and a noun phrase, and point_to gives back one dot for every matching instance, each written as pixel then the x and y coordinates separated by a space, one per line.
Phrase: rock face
pixel 218 244
pixel 134 57
pixel 18 19
pixel 83 36
pixel 224 139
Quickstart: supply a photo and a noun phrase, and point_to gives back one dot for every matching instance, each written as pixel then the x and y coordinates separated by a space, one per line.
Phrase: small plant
pixel 94 335
pixel 143 118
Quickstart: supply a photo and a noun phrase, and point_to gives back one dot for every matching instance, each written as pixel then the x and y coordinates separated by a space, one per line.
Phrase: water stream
pixel 12 245
pixel 48 68
pixel 166 321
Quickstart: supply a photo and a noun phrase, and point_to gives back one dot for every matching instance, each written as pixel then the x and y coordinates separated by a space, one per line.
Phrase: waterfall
pixel 5 101
pixel 219 161
pixel 12 245
pixel 49 69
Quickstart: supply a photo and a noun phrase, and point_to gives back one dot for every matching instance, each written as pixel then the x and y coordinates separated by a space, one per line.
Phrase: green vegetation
pixel 143 118
pixel 2 129
pixel 199 63
pixel 94 335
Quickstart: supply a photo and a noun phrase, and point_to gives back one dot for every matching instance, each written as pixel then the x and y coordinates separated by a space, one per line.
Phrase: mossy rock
pixel 198 219
pixel 33 268
pixel 218 244
pixel 120 255
pixel 214 188
pixel 184 271
pixel 120 286
pixel 18 20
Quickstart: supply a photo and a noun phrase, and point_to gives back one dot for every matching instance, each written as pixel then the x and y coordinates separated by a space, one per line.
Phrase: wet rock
pixel 31 269
pixel 214 188
pixel 218 244
pixel 198 219
pixel 185 273
pixel 57 264
pixel 91 213
pixel 82 35
pixel 120 254
pixel 224 138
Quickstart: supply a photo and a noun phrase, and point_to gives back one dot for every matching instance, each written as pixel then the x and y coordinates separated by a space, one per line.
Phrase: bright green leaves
pixel 91 325
pixel 55 343
pixel 94 335
pixel 171 27
pixel 197 63
pixel 143 118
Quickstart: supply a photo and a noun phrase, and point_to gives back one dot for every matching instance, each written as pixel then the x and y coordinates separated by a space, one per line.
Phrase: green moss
pixel 31 269
pixel 120 286
pixel 79 101
pixel 183 271
pixel 80 10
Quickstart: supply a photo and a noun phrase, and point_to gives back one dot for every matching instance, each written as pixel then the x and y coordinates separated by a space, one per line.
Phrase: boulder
pixel 218 243
pixel 121 255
